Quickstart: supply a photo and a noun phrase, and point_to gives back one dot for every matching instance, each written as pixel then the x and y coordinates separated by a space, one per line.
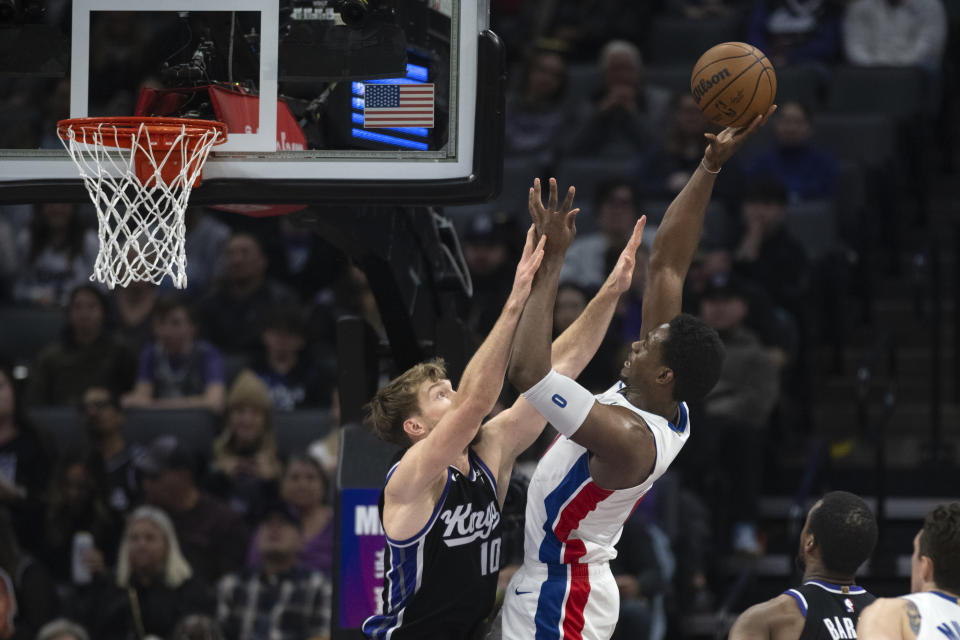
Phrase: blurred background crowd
pixel 166 457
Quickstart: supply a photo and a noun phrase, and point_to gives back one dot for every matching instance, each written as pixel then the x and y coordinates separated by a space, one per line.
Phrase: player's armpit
pixel 624 448
pixel 885 619
pixel 775 619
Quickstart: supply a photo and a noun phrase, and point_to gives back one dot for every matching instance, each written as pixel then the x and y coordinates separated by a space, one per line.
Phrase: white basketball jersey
pixel 569 518
pixel 939 615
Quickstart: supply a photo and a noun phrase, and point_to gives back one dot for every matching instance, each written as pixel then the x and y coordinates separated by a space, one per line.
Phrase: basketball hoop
pixel 139 172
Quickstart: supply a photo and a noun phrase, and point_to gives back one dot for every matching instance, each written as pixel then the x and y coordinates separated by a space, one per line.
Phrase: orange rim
pixel 163 131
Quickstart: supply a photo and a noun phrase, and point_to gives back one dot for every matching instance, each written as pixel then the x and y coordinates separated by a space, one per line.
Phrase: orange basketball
pixel 732 83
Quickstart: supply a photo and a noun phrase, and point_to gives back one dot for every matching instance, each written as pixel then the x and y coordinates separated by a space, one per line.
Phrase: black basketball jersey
pixel 831 610
pixel 442 583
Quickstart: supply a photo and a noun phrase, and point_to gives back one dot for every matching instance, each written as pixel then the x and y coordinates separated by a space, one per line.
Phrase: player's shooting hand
pixel 724 144
pixel 527 267
pixel 622 273
pixel 557 222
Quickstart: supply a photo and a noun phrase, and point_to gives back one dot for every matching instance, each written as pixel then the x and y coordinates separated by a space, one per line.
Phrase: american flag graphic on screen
pixel 397 105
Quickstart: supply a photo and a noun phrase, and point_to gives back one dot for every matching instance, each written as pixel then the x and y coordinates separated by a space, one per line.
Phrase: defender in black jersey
pixel 838 536
pixel 440 506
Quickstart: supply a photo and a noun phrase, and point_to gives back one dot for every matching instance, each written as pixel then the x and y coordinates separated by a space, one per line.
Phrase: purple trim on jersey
pixel 801 601
pixel 486 469
pixel 852 589
pixel 433 516
pixel 553 590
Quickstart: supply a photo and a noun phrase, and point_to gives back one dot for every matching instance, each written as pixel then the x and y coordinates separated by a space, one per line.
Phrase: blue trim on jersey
pixel 681 426
pixel 955 601
pixel 551 548
pixel 550 603
pixel 493 478
pixel 433 516
pixel 852 589
pixel 800 600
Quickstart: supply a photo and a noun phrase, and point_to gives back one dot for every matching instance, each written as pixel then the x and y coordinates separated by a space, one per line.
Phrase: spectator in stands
pixel 86 353
pixel 232 314
pixel 56 254
pixel 808 172
pixel 77 502
pixel 616 207
pixel 25 583
pixel 535 114
pixel 488 251
pixel 794 32
pixel 900 33
pixel 738 410
pixel 626 112
pixel 305 489
pixel 768 254
pixel 213 537
pixel 665 168
pixel 629 313
pixel 24 465
pixel 103 420
pixel 300 258
pixel 154 585
pixel 280 599
pixel 295 382
pixel 197 627
pixel 176 370
pixel 62 629
pixel 245 465
pixel 572 299
pixel 133 307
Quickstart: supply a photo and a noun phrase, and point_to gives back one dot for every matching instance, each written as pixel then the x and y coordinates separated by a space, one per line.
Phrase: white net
pixel 141 219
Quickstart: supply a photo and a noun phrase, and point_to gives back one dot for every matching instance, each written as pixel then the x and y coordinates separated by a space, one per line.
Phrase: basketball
pixel 732 83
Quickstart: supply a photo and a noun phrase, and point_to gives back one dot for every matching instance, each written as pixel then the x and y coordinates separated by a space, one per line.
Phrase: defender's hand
pixel 724 144
pixel 622 273
pixel 527 267
pixel 557 222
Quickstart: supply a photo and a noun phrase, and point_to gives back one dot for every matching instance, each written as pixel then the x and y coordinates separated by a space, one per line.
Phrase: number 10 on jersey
pixel 490 557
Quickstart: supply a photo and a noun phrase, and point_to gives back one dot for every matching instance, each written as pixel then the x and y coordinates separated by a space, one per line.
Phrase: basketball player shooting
pixel 442 513
pixel 612 446
pixel 838 536
pixel 932 611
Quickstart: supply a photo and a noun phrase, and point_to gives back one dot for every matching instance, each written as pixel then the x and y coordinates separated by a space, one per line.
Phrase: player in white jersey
pixel 932 611
pixel 615 445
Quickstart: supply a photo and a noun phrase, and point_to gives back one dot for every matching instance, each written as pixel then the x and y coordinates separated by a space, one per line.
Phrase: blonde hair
pixel 248 390
pixel 177 569
pixel 398 400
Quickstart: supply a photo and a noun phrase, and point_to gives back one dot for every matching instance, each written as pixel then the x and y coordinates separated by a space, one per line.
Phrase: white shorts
pixel 561 602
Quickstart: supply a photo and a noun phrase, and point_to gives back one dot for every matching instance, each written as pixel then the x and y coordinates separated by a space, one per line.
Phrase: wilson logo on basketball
pixel 707 83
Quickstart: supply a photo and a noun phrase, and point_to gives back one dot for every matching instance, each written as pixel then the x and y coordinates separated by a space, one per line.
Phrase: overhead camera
pixel 352 12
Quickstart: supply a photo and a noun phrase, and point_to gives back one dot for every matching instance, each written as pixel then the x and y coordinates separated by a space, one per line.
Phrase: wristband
pixel 562 401
pixel 708 170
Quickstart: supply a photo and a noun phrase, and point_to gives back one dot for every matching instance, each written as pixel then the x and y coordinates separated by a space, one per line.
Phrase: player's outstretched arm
pixel 889 619
pixel 480 387
pixel 531 358
pixel 518 427
pixel 679 233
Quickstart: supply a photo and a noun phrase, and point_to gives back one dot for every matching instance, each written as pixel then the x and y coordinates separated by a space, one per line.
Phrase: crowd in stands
pixel 119 539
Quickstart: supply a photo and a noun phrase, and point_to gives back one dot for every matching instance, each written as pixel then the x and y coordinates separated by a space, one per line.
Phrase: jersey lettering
pixel 468 525
pixel 841 628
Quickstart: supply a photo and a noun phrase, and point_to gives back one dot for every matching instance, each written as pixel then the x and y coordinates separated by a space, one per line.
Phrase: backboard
pixel 326 101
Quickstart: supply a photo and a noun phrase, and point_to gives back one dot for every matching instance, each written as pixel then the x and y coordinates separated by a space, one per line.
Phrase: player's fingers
pixel 710 136
pixel 568 200
pixel 531 238
pixel 552 197
pixel 637 235
pixel 537 195
pixel 571 218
